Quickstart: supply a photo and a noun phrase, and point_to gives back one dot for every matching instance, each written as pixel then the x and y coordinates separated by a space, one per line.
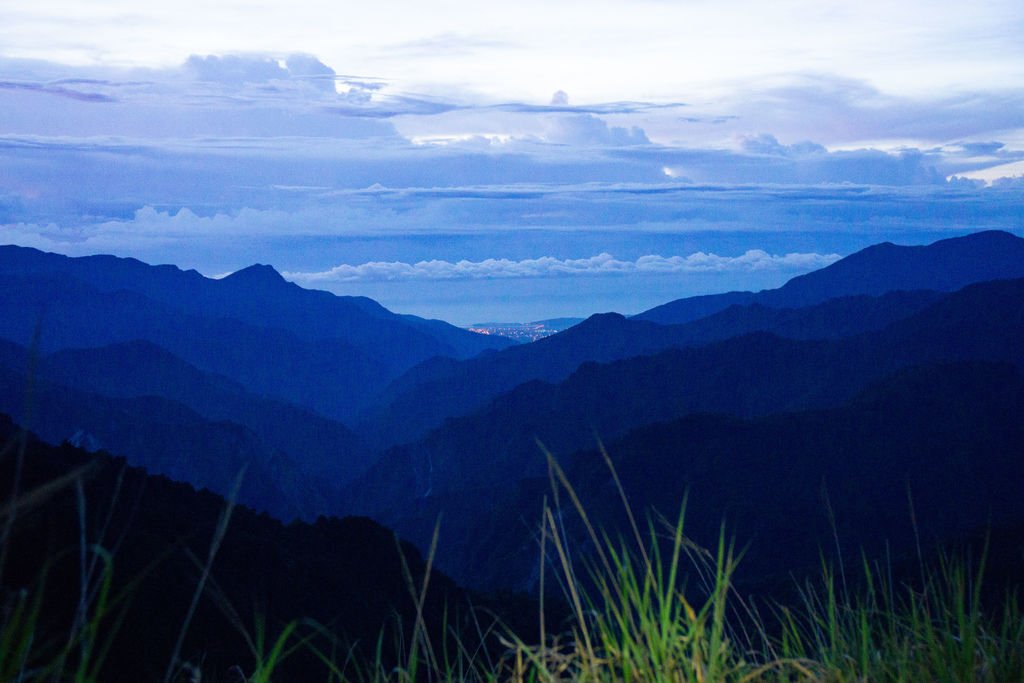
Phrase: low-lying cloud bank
pixel 548 266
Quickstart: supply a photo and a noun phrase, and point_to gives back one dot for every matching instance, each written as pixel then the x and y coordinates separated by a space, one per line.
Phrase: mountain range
pixel 312 348
pixel 334 405
pixel 928 454
pixel 479 456
pixel 945 265
pixel 862 292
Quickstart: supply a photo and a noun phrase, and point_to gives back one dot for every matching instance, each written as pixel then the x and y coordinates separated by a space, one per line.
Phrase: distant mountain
pixel 446 387
pixel 322 447
pixel 844 316
pixel 862 292
pixel 166 437
pixel 946 265
pixel 256 295
pixel 946 438
pixel 441 388
pixel 559 324
pixel 313 348
pixel 349 575
pixel 481 457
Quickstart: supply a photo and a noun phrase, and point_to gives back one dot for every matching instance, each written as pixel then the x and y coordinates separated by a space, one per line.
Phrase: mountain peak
pixel 596 323
pixel 256 274
pixel 946 265
pixel 603 319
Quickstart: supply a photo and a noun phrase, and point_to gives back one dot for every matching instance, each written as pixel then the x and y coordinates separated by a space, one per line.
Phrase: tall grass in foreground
pixel 649 607
pixel 939 631
pixel 633 620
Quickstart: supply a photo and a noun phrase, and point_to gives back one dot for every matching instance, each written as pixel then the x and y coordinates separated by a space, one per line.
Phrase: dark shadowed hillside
pixel 344 573
pixel 950 434
pixel 477 460
pixel 165 415
pixel 440 388
pixel 323 447
pixel 167 438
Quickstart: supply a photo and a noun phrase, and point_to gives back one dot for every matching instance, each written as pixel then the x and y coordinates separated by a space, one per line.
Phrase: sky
pixel 476 162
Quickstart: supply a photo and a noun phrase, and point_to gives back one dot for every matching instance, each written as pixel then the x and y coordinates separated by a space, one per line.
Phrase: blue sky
pixel 469 162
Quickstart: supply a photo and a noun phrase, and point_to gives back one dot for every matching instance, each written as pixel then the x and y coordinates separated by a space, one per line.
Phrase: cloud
pixel 221 219
pixel 757 129
pixel 58 90
pixel 447 44
pixel 548 266
pixel 763 160
pixel 225 135
pixel 1009 182
pixel 358 103
pixel 235 69
pixel 213 96
pixel 599 108
pixel 838 110
pixel 768 145
pixel 247 70
pixel 228 159
pixel 982 148
pixel 587 129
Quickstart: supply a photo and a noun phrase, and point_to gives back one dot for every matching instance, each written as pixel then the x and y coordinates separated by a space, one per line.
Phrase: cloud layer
pixel 547 266
pixel 225 160
pixel 600 50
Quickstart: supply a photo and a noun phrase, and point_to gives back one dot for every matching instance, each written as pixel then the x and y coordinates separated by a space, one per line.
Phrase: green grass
pixel 939 631
pixel 649 607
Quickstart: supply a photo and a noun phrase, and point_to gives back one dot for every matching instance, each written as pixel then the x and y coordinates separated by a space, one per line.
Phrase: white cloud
pixel 210 96
pixel 235 69
pixel 548 266
pixel 289 214
pixel 588 130
pixel 598 50
pixel 239 71
pixel 1003 174
pixel 843 111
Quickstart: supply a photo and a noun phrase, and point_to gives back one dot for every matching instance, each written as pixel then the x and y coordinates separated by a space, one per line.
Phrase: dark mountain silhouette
pixel 945 438
pixel 445 387
pixel 836 318
pixel 476 460
pixel 168 438
pixel 440 388
pixel 347 574
pixel 321 447
pixel 692 308
pixel 309 347
pixel 321 375
pixel 862 292
pixel 946 265
pixel 256 295
pixel 197 378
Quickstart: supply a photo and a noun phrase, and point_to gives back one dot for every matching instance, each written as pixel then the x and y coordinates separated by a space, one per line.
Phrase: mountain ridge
pixel 945 434
pixel 858 293
pixel 304 346
pixel 469 384
pixel 747 376
pixel 944 265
